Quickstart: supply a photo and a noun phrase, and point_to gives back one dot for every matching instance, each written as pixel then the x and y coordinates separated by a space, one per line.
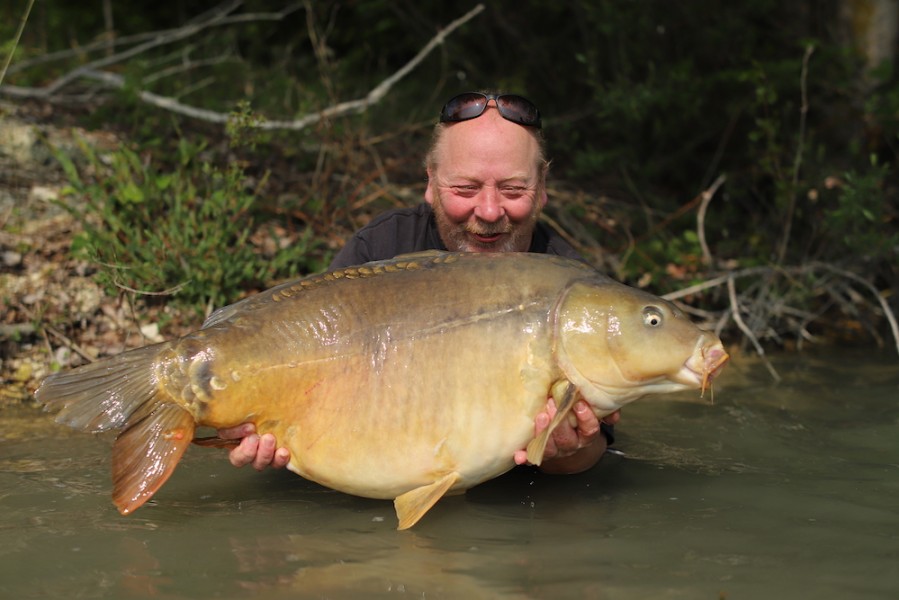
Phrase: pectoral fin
pixel 146 453
pixel 565 396
pixel 412 506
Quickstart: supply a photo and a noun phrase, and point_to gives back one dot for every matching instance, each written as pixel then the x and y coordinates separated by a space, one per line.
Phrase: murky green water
pixel 786 490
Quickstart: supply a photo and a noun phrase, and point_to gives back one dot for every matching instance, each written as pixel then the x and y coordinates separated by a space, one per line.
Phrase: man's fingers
pixel 265 452
pixel 235 433
pixel 587 423
pixel 245 451
pixel 613 418
pixel 578 431
pixel 259 451
pixel 521 457
pixel 541 422
pixel 282 457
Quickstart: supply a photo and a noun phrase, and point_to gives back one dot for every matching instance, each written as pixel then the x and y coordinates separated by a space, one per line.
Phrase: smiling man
pixel 486 187
pixel 486 171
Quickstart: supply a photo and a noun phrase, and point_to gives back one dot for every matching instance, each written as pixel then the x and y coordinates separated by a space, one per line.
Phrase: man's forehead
pixel 449 177
pixel 469 152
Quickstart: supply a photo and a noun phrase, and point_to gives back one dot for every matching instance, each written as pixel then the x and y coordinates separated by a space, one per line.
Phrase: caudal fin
pixel 122 392
pixel 105 394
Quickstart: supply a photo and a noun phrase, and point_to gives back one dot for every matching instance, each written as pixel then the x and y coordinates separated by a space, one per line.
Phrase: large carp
pixel 408 379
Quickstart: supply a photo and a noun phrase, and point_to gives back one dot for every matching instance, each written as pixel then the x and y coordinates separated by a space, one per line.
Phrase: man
pixel 486 188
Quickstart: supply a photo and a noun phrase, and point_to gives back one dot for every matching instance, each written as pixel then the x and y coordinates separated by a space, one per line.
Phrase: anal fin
pixel 412 506
pixel 565 395
pixel 146 453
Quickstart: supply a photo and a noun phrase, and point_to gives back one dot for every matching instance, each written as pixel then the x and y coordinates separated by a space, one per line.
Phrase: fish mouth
pixel 706 363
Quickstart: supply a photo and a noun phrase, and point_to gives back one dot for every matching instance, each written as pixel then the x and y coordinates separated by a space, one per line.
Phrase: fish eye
pixel 652 316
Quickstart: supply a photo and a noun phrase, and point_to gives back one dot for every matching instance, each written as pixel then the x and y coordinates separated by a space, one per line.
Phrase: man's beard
pixel 458 237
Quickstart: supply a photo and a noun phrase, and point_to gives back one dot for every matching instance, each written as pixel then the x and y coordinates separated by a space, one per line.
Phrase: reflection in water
pixel 775 490
pixel 329 566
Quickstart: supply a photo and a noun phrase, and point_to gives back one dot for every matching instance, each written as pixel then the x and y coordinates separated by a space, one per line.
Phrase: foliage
pixel 859 223
pixel 188 230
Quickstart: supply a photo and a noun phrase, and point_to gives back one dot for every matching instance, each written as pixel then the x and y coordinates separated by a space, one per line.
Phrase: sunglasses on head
pixel 472 105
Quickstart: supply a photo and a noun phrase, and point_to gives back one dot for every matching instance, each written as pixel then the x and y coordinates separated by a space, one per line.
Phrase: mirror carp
pixel 409 379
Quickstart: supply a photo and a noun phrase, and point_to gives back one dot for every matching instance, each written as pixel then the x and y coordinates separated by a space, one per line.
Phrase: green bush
pixel 859 223
pixel 190 232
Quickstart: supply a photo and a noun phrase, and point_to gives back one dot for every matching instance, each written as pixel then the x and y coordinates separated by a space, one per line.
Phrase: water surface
pixel 775 490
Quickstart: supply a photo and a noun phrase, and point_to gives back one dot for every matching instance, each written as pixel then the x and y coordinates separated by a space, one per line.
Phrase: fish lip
pixel 705 363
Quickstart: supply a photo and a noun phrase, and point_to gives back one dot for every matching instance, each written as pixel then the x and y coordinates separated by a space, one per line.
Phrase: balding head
pixel 486 180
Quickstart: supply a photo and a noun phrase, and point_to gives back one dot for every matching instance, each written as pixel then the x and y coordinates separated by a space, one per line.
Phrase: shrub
pixel 191 232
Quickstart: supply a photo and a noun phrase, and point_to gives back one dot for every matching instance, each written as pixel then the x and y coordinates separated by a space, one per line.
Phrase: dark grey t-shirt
pixel 405 230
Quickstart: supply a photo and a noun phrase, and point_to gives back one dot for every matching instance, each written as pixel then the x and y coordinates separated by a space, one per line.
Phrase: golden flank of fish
pixel 410 378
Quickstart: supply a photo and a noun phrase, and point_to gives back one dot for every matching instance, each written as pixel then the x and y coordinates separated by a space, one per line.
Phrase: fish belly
pixel 379 424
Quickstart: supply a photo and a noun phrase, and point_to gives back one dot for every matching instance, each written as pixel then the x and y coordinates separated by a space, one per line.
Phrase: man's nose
pixel 489 207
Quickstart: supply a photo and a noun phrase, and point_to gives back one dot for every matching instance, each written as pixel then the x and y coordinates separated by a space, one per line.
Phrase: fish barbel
pixel 409 378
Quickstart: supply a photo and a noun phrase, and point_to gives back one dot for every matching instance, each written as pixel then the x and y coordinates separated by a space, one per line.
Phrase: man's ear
pixel 429 191
pixel 544 169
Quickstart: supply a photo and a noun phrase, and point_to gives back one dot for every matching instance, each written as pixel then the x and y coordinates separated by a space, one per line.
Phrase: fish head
pixel 616 343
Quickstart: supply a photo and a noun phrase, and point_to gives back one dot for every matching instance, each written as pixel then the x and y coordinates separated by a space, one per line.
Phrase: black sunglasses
pixel 472 105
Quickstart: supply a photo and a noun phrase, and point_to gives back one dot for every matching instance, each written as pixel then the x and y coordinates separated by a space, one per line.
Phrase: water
pixel 777 490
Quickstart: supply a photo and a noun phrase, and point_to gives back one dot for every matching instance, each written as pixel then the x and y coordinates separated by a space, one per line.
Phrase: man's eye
pixel 513 191
pixel 465 190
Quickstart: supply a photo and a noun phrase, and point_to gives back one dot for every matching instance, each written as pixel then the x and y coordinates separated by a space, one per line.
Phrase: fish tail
pixel 103 395
pixel 123 393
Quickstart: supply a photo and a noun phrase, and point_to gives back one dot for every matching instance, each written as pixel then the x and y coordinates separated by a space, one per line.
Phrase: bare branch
pixel 888 312
pixel 797 161
pixel 735 311
pixel 168 292
pixel 186 66
pixel 106 43
pixel 68 342
pixel 766 310
pixel 15 42
pixel 91 71
pixel 217 17
pixel 707 196
pixel 715 282
pixel 169 38
pixel 164 102
pixel 376 94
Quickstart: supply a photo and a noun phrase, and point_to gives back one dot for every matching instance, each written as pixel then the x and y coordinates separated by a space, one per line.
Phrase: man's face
pixel 486 190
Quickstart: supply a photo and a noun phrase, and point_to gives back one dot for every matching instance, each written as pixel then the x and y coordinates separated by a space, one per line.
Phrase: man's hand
pixel 575 445
pixel 257 450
